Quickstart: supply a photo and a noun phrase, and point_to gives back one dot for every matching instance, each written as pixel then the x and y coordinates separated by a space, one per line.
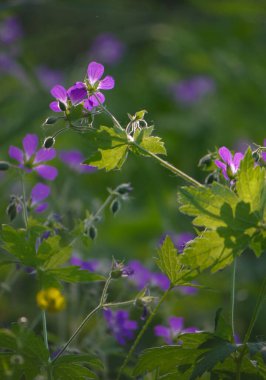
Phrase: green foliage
pixel 108 147
pixel 75 367
pixel 169 261
pixel 232 221
pixel 22 353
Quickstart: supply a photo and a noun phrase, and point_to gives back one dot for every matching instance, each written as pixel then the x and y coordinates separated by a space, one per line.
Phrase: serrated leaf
pixel 79 358
pixel 250 183
pixel 207 360
pixel 52 254
pixel 109 159
pixel 222 328
pixel 8 339
pixel 169 262
pixel 207 251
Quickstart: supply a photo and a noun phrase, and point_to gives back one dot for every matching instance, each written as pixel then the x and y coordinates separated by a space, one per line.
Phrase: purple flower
pixel 160 280
pixel 60 94
pixel 192 90
pixel 32 160
pixel 107 48
pixel 90 265
pixel 263 154
pixel 229 164
pixel 90 89
pixel 176 327
pixel 48 77
pixel 10 30
pixel 74 159
pixel 38 193
pixel 180 240
pixel 141 276
pixel 121 327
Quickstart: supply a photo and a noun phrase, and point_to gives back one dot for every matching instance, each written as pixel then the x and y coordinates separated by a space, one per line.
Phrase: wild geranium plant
pixel 228 213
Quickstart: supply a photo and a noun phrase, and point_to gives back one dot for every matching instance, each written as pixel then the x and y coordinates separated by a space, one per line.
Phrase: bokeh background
pixel 197 67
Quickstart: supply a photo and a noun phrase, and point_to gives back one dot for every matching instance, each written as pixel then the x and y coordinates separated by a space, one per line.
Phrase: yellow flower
pixel 51 299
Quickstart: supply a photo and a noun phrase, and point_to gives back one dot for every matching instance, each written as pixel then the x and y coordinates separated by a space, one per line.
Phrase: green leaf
pixel 250 183
pixel 73 274
pixel 207 360
pixel 81 358
pixel 72 371
pixel 107 148
pixel 153 144
pixel 8 339
pixel 52 254
pixel 170 263
pixel 76 112
pixel 207 251
pixel 222 328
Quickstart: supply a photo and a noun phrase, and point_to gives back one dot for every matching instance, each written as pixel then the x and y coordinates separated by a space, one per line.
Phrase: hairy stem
pixel 142 331
pixel 25 213
pixel 233 299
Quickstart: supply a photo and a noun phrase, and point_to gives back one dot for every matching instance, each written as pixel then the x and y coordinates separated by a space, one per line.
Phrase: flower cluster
pixel 119 324
pixel 51 299
pixel 88 92
pixel 173 330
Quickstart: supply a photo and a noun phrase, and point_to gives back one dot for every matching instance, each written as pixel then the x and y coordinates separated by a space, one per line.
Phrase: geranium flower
pixel 229 164
pixel 176 327
pixel 60 94
pixel 89 90
pixel 74 159
pixel 120 325
pixel 32 160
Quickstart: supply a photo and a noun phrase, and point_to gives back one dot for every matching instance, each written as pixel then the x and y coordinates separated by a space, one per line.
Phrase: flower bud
pixel 116 273
pixel 4 165
pixel 212 177
pixel 124 188
pixel 62 106
pixel 92 232
pixel 205 161
pixel 50 120
pixel 256 155
pixel 11 211
pixel 115 206
pixel 49 142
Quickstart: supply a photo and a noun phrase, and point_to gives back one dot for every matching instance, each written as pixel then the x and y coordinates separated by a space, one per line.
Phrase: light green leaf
pixel 109 159
pixel 73 274
pixel 52 254
pixel 250 183
pixel 169 262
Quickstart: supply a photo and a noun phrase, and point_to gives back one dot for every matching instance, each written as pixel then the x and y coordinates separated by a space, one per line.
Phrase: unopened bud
pixel 125 188
pixel 50 120
pixel 116 273
pixel 92 232
pixel 115 206
pixel 11 211
pixel 49 142
pixel 62 106
pixel 205 161
pixel 212 177
pixel 256 155
pixel 4 165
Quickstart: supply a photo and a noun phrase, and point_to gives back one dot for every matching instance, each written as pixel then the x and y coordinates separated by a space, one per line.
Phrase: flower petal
pixel 41 208
pixel 54 106
pixel 59 93
pixel 90 103
pixel 44 155
pixel 95 72
pixel 176 324
pixel 225 155
pixel 190 330
pixel 98 97
pixel 263 155
pixel 107 83
pixel 16 153
pixel 222 166
pixel 30 143
pixel 77 93
pixel 163 332
pixel 39 192
pixel 46 172
pixel 237 158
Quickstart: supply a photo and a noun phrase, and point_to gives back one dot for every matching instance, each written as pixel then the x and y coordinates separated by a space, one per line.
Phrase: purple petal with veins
pixel 95 72
pixel 46 171
pixel 237 158
pixel 16 154
pixel 44 155
pixel 98 97
pixel 225 155
pixel 59 93
pixel 107 83
pixel 54 106
pixel 39 192
pixel 77 93
pixel 30 143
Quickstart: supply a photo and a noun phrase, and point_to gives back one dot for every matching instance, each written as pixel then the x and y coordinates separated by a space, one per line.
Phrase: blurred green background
pixel 197 67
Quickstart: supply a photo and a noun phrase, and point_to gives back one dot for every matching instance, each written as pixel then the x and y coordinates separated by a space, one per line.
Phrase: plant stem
pixel 233 298
pixel 142 331
pixel 169 166
pixel 256 312
pixel 44 326
pixel 85 320
pixel 25 213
